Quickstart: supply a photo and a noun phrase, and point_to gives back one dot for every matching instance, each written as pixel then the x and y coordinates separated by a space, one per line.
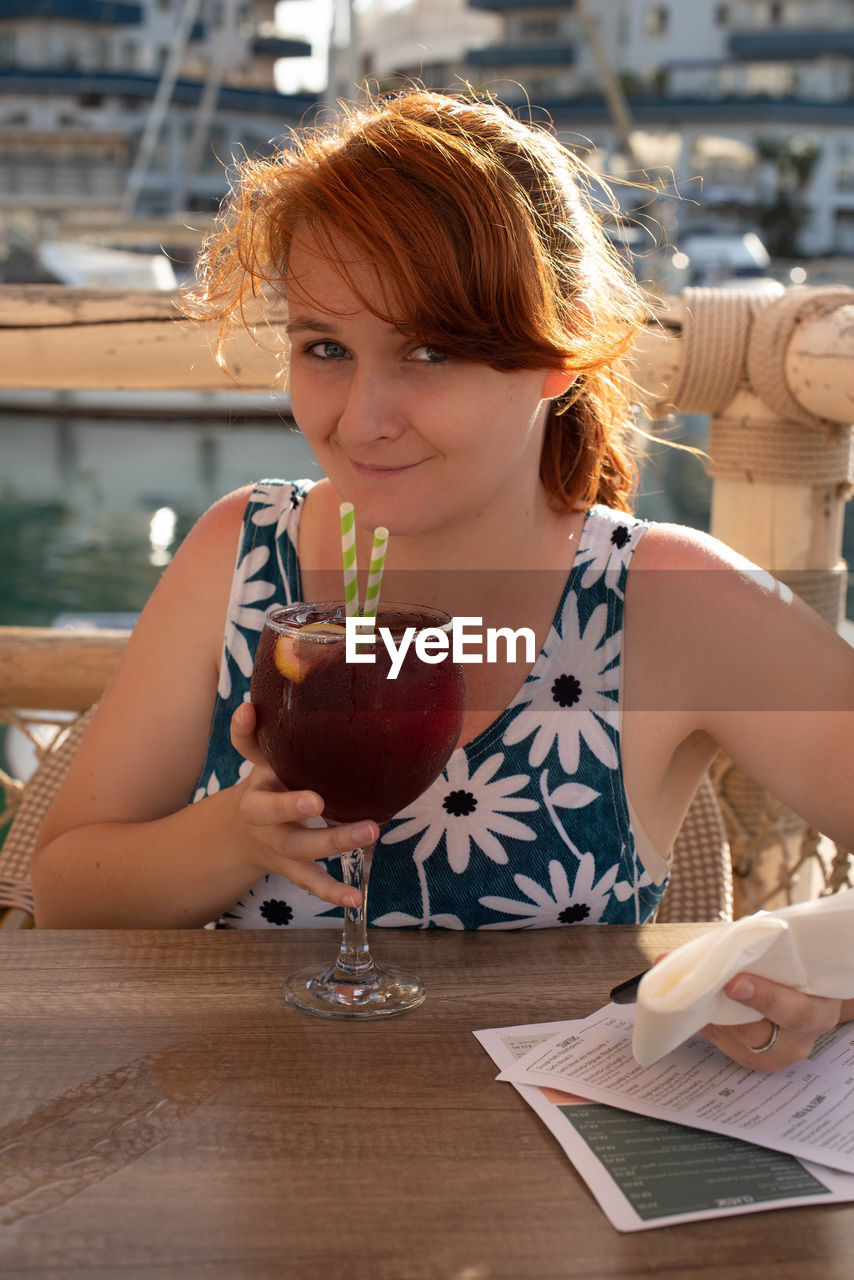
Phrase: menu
pixel 694 1136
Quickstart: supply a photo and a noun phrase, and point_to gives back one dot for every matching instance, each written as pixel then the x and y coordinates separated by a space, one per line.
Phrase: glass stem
pixel 354 957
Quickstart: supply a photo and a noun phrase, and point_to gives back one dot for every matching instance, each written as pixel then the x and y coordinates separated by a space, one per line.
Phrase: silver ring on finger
pixel 766 1048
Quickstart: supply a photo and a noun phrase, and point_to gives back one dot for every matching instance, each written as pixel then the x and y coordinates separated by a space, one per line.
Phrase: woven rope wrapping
pixel 770 335
pixel 732 341
pixel 714 345
pixel 824 590
pixel 781 452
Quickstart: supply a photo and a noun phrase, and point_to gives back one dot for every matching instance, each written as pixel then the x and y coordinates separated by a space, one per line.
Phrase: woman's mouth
pixel 382 471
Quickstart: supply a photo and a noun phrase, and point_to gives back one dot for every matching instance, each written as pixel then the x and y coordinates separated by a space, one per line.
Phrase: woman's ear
pixel 556 382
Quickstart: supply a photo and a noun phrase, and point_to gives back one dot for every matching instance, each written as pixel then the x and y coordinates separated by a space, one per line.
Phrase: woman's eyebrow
pixel 309 323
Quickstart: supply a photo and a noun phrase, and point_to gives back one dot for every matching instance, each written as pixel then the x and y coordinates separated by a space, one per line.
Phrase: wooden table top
pixel 164 1113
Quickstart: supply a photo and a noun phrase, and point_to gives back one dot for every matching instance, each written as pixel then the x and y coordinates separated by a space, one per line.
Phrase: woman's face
pixel 416 439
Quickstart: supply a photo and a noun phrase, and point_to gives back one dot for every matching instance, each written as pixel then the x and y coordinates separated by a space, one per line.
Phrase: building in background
pixel 425 40
pixel 120 109
pixel 112 110
pixel 753 97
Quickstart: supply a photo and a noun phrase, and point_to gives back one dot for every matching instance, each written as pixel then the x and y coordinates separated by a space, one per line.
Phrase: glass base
pixel 374 993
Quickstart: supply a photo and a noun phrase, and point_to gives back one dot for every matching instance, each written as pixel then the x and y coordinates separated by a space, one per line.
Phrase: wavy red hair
pixel 489 230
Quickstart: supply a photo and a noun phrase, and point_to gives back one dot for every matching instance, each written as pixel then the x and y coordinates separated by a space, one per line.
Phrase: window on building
pixel 776 79
pixel 656 19
pixel 845 166
pixel 726 80
pixel 776 12
pixel 540 28
pixel 128 54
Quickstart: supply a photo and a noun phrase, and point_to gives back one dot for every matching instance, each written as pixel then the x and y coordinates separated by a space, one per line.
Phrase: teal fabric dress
pixel 529 824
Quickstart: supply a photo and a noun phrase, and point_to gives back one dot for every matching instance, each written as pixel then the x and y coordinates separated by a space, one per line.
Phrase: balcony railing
pixel 63 80
pixel 280 47
pixel 792 42
pixel 500 6
pixel 103 12
pixel 522 55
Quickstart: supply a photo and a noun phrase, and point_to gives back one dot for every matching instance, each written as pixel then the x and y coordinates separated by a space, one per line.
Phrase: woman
pixel 456 326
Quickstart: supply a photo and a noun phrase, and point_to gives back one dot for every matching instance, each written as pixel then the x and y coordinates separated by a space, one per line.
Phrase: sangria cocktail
pixel 365 741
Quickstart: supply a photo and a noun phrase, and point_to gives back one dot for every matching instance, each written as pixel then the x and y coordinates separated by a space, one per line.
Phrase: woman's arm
pixel 729 654
pixel 121 845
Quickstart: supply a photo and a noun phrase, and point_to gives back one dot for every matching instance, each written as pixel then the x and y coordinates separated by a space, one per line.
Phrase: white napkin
pixel 809 946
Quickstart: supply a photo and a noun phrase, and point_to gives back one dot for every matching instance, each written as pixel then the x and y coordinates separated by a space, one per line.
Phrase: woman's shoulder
pixel 700 596
pixel 676 546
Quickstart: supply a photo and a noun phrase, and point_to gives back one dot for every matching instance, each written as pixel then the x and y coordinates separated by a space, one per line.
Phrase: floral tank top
pixel 529 825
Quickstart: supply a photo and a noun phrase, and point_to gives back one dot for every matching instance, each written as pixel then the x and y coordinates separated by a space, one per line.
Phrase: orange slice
pixel 290 661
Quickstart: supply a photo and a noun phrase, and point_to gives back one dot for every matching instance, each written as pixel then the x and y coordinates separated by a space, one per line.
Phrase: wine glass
pixel 369 744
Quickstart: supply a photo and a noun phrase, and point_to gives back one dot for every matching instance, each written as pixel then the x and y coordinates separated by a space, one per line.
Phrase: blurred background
pixel 119 122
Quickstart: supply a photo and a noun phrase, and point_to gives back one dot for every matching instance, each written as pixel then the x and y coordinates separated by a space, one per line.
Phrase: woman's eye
pixel 327 350
pixel 429 355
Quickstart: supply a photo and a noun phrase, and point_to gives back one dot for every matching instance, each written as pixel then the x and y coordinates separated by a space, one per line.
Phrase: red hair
pixel 488 229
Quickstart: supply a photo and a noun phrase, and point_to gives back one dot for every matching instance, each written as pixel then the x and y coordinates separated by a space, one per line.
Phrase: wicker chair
pixel 15 892
pixel 701 886
pixel 700 889
pixel 59 676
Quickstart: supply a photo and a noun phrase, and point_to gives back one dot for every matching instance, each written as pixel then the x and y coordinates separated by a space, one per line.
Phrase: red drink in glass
pixel 368 744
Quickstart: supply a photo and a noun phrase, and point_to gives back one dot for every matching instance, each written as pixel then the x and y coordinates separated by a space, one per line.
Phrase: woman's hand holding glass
pixel 279 822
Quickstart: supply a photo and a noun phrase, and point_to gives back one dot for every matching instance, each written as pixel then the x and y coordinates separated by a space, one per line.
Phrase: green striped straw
pixel 375 572
pixel 348 559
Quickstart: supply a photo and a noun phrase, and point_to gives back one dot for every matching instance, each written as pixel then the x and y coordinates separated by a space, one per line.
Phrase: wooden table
pixel 163 1113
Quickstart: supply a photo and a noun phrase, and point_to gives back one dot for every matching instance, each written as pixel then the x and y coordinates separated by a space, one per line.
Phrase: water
pixel 91 510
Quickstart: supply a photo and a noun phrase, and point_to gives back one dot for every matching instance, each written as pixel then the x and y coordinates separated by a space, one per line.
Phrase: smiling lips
pixel 368 469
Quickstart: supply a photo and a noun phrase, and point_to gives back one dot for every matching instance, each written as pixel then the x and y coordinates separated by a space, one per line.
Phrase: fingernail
pixel 241 713
pixel 742 989
pixel 308 806
pixel 362 834
pixel 352 900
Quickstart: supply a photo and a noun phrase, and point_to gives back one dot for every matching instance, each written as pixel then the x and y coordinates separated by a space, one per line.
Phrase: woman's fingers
pixel 276 809
pixel 243 737
pixel 281 821
pixel 791 1023
pixel 316 880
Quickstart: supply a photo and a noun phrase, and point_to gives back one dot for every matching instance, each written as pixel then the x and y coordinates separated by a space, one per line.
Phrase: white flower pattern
pixel 279 903
pixel 585 903
pixel 567 692
pixel 467 810
pixel 244 614
pixel 604 554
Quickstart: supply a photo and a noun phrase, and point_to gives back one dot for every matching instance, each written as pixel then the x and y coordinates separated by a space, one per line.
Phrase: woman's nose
pixel 371 410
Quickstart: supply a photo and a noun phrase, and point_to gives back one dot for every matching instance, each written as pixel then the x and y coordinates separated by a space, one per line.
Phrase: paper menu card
pixel 806 1110
pixel 647 1173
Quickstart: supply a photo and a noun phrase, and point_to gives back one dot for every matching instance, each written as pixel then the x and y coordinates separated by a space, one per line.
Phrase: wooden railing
pixel 773 371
